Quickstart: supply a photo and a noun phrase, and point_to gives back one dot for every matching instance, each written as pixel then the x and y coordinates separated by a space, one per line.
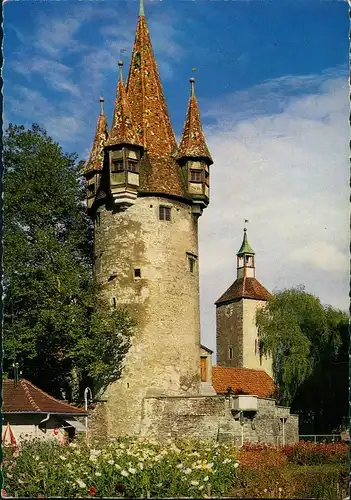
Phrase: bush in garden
pixel 124 467
pixel 262 459
pixel 306 453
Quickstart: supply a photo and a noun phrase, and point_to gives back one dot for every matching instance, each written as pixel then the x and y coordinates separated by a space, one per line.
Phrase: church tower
pixel 145 195
pixel 238 343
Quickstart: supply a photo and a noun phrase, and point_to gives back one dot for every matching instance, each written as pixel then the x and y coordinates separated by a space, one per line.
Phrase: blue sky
pixel 271 82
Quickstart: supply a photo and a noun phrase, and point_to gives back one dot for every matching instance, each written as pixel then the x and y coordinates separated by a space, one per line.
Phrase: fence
pixel 320 438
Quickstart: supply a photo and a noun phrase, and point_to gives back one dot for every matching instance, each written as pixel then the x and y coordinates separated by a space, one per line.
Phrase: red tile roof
pixel 244 288
pixel 146 99
pixel 123 130
pixel 193 143
pixel 96 158
pixel 24 397
pixel 242 380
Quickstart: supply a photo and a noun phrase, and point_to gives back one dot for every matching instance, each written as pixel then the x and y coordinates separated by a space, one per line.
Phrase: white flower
pixel 209 466
pixel 179 466
pixel 206 478
pixel 141 465
pixel 20 481
pixel 187 471
pixel 236 465
pixel 227 461
pixel 95 452
pixel 124 473
pixel 201 487
pixel 111 462
pixel 62 457
pixel 8 475
pixel 81 483
pixel 98 474
pixel 37 457
pixel 194 483
pixel 131 470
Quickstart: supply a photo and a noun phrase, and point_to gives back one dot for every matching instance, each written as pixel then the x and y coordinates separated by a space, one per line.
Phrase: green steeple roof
pixel 245 246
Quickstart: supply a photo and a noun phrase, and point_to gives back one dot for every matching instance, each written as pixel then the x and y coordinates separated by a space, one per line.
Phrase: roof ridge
pixel 24 383
pixel 69 405
pixel 241 368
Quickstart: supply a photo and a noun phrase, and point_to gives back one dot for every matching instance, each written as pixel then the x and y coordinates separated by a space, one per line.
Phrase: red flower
pixel 41 496
pixel 92 491
pixel 3 493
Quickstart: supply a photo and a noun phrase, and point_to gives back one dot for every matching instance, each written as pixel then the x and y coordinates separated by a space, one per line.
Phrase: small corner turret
pixel 245 259
pixel 194 157
pixel 94 166
pixel 124 151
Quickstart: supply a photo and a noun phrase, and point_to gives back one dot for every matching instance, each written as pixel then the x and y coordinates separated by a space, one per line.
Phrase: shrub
pixel 256 460
pixel 306 453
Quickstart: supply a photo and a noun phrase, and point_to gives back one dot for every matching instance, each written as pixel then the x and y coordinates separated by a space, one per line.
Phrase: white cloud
pixel 286 171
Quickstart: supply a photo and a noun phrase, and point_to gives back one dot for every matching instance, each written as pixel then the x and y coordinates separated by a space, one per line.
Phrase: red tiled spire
pixel 123 130
pixel 159 171
pixel 193 143
pixel 145 96
pixel 96 158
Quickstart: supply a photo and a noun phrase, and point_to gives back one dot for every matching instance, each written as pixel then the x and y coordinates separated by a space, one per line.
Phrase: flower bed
pixel 142 468
pixel 121 468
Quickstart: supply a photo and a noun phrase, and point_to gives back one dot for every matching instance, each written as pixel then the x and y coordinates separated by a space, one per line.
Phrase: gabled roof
pixel 25 397
pixel 244 288
pixel 193 143
pixel 145 96
pixel 242 380
pixel 96 158
pixel 123 130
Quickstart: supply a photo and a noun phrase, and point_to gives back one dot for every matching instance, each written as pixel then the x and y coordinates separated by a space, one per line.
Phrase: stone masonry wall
pixel 164 357
pixel 251 354
pixel 229 328
pixel 211 418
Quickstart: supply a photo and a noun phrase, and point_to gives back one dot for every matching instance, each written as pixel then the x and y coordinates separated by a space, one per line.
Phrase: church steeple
pixel 145 95
pixel 123 130
pixel 193 155
pixel 193 143
pixel 96 157
pixel 245 259
pixel 95 163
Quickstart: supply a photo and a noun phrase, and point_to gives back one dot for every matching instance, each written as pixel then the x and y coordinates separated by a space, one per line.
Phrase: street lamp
pixel 87 389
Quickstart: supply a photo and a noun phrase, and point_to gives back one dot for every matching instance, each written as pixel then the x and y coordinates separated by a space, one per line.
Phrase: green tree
pixel 309 345
pixel 51 302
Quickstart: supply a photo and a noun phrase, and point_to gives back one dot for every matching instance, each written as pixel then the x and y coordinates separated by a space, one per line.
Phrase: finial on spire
pixel 192 86
pixel 246 221
pixel 102 100
pixel 141 8
pixel 120 64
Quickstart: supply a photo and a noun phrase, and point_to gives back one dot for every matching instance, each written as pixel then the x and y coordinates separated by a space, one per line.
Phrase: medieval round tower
pixel 145 194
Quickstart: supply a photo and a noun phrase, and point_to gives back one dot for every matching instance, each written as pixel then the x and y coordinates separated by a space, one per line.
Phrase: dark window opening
pixel 137 273
pixel 117 166
pixel 132 166
pixel 97 219
pixel 165 213
pixel 112 276
pixel 91 189
pixel 192 263
pixel 195 176
pixel 114 302
pixel 231 353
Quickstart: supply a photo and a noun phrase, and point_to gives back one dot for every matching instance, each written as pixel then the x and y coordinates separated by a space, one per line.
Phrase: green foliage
pixel 309 345
pixel 50 318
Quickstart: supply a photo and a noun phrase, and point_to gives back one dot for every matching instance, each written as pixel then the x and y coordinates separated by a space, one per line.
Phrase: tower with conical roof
pixel 238 343
pixel 146 203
